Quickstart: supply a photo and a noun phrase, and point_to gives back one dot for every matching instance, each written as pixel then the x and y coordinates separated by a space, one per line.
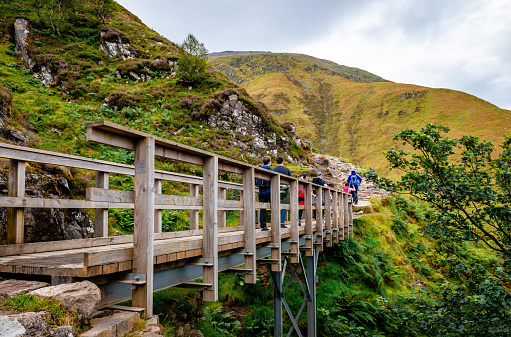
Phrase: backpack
pixel 301 192
pixel 262 183
pixel 353 180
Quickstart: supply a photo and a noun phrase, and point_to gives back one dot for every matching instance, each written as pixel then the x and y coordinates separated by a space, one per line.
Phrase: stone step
pixel 116 323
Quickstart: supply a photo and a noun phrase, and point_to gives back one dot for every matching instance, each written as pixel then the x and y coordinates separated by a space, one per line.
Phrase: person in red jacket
pixel 301 198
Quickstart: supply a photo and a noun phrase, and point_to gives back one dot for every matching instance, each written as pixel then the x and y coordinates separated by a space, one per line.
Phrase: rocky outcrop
pixel 241 123
pixel 115 44
pixel 47 224
pixel 337 171
pixel 81 297
pixel 41 71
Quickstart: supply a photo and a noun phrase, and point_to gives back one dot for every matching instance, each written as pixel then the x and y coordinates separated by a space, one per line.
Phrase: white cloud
pixel 456 44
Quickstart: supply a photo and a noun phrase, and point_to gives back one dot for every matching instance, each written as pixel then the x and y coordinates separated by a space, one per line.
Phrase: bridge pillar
pixel 312 262
pixel 308 287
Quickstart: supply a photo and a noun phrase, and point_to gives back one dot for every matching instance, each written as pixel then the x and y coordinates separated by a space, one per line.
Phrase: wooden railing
pixel 149 245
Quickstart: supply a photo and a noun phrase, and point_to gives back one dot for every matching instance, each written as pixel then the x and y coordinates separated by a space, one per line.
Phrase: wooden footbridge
pixel 134 266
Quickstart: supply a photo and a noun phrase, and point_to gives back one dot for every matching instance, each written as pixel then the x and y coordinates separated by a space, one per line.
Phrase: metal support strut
pixel 308 289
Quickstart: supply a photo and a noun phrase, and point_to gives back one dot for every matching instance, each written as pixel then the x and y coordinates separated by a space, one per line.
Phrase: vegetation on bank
pixel 389 279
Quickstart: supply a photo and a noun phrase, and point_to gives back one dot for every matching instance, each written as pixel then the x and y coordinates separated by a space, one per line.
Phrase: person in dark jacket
pixel 354 180
pixel 318 180
pixel 264 195
pixel 284 189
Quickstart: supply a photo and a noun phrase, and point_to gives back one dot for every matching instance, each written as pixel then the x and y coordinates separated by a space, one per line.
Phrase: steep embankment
pixel 58 75
pixel 351 113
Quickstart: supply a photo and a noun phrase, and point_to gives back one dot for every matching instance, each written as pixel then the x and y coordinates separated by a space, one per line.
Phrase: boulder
pixel 25 324
pixel 80 297
pixel 10 288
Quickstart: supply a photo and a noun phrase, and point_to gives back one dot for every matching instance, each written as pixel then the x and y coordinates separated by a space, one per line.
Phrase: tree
pixel 191 66
pixel 468 188
pixel 102 8
pixel 193 47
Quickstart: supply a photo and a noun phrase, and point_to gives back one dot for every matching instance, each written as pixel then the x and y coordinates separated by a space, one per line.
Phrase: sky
pixel 455 44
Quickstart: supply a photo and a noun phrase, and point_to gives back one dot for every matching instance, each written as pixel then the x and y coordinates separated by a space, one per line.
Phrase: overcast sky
pixel 456 44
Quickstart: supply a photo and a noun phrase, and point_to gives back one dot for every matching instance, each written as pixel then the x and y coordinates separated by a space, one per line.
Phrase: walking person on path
pixel 264 193
pixel 354 181
pixel 284 189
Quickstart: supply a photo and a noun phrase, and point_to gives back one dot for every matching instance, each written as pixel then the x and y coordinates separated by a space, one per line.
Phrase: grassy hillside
pixel 138 87
pixel 353 114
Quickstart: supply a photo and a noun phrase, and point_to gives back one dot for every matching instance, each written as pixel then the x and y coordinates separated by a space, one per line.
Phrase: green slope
pixel 353 114
pixel 89 85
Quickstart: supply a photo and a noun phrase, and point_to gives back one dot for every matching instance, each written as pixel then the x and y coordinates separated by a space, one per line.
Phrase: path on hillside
pixel 335 170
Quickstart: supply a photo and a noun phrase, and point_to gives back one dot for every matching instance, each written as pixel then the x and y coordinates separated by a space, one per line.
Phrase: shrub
pixel 216 323
pixel 5 97
pixel 120 100
pixel 191 70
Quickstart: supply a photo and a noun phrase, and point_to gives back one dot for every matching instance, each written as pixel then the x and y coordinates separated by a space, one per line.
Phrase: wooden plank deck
pixel 108 259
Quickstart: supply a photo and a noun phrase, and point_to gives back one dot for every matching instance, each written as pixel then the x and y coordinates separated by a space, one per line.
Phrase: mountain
pixel 351 113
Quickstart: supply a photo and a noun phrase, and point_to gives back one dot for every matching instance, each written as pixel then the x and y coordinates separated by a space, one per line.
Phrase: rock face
pixel 81 297
pixel 41 71
pixel 115 44
pixel 48 224
pixel 236 118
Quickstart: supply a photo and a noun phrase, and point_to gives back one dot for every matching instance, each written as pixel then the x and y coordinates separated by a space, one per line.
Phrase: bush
pixel 5 97
pixel 120 100
pixel 191 70
pixel 216 323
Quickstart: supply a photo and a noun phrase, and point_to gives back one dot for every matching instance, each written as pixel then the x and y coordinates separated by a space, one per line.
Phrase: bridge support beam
pixel 307 284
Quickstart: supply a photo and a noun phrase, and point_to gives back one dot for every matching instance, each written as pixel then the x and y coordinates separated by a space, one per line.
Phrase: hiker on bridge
pixel 301 198
pixel 264 192
pixel 322 182
pixel 354 181
pixel 284 189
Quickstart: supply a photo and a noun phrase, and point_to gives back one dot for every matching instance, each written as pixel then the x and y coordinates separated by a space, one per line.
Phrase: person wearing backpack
pixel 284 189
pixel 264 193
pixel 354 181
pixel 318 180
pixel 301 198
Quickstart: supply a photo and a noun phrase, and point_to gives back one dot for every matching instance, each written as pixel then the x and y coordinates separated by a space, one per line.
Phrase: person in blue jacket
pixel 354 180
pixel 264 193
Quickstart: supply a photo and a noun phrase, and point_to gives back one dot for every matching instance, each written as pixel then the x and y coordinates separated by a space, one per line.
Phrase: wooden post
pixel 157 212
pixel 328 217
pixel 335 217
pixel 222 215
pixel 320 230
pixel 350 217
pixel 143 249
pixel 308 212
pixel 341 215
pixel 319 215
pixel 242 213
pixel 309 243
pixel 194 214
pixel 346 216
pixel 275 221
pixel 249 221
pixel 15 216
pixel 210 226
pixel 101 214
pixel 295 231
